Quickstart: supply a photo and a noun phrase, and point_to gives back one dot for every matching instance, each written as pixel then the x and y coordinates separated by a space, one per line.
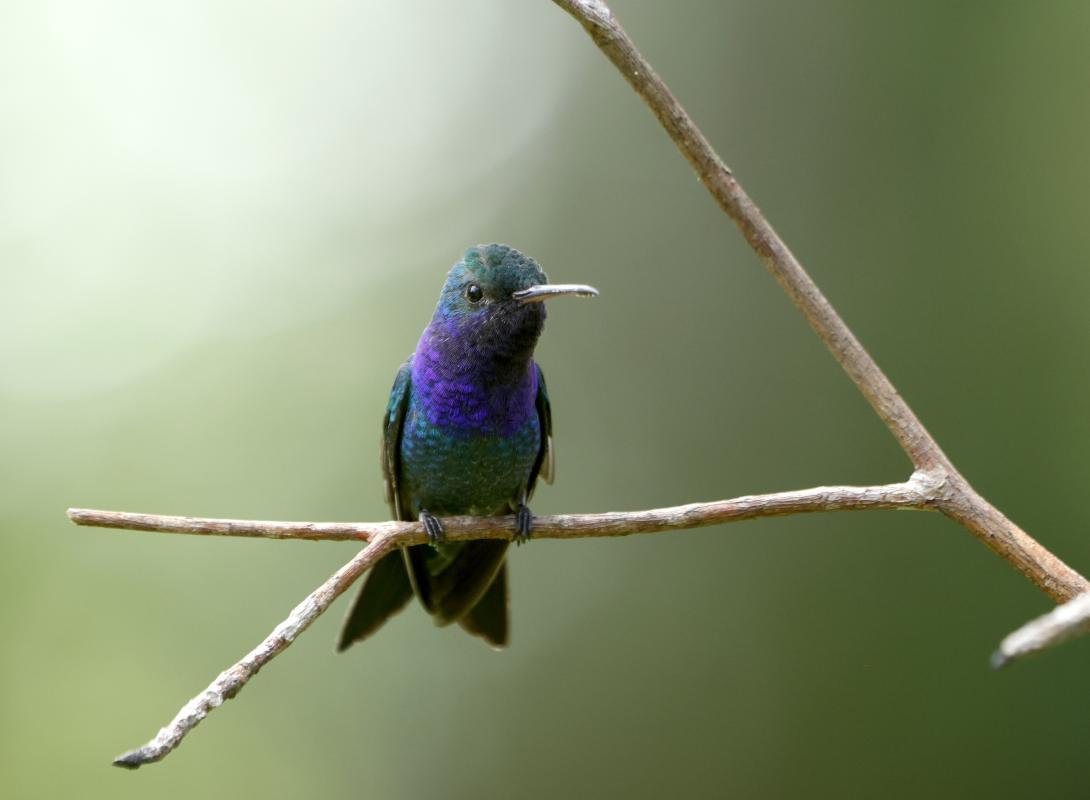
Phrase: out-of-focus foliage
pixel 222 226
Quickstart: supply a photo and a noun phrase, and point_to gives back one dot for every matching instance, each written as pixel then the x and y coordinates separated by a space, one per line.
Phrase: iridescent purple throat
pixel 465 383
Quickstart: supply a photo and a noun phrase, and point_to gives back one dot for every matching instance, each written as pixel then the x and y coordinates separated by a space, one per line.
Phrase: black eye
pixel 474 293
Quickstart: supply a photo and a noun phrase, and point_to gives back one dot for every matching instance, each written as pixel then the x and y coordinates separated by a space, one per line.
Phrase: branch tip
pixel 132 760
pixel 1046 631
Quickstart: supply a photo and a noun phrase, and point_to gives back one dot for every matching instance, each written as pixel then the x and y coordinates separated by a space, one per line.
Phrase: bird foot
pixel 524 523
pixel 433 527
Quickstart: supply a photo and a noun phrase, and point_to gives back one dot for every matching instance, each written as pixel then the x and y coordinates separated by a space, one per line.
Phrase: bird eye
pixel 474 293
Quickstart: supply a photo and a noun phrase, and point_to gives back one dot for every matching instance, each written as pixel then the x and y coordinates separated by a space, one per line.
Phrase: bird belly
pixel 451 472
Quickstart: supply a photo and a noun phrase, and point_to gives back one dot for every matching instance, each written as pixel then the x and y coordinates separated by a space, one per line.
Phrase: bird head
pixel 496 286
pixel 490 311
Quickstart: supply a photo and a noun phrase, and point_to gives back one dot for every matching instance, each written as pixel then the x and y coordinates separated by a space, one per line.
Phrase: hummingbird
pixel 467 431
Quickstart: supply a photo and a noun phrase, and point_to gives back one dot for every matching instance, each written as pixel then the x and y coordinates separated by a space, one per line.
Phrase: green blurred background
pixel 222 227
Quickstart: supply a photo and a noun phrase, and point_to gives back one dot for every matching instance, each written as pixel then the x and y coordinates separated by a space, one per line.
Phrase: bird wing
pixel 390 446
pixel 545 466
pixel 387 589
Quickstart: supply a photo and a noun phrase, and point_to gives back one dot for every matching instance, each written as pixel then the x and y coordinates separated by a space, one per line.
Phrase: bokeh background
pixel 222 227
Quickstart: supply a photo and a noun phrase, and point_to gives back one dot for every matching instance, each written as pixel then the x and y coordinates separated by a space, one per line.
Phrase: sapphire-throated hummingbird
pixel 468 430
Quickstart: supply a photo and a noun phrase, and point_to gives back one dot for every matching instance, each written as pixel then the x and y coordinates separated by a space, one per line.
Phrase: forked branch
pixel 916 493
pixel 958 500
pixel 936 484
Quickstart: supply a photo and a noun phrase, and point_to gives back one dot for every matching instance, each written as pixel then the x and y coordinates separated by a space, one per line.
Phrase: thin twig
pixel 230 682
pixel 918 492
pixel 1058 625
pixel 959 500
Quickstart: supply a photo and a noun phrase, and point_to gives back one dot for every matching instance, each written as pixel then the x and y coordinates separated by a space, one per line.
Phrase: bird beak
pixel 547 291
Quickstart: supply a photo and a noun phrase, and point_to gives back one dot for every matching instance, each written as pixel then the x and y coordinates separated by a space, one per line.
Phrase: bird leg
pixel 433 527
pixel 524 523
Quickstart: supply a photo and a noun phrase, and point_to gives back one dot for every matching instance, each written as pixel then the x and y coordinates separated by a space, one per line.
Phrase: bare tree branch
pixel 959 500
pixel 935 484
pixel 1058 625
pixel 229 682
pixel 918 492
pixel 614 42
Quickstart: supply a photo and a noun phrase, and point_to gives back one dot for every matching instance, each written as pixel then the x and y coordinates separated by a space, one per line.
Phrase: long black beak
pixel 547 291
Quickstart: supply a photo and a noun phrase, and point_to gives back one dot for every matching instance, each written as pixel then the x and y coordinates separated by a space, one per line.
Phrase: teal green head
pixel 492 276
pixel 494 286
pixel 487 276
